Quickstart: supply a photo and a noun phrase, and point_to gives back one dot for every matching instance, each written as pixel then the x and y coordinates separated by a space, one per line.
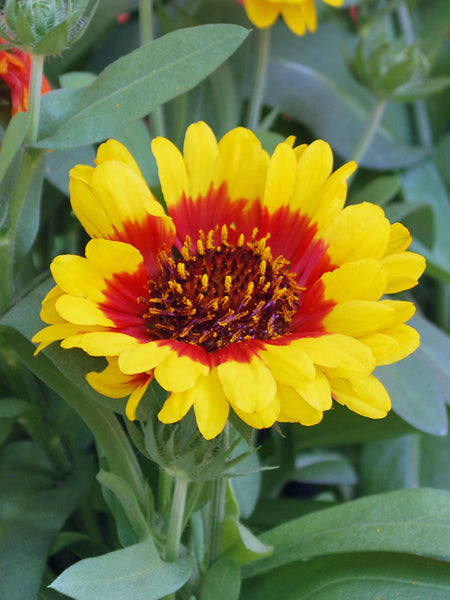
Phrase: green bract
pixel 45 26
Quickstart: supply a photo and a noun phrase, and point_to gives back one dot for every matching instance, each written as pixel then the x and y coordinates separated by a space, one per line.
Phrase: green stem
pixel 37 70
pixel 146 35
pixel 369 133
pixel 259 81
pixel 176 519
pixel 419 106
pixel 164 492
pixel 216 517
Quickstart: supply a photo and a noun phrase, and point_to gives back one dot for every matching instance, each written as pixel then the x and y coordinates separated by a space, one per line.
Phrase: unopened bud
pixel 45 26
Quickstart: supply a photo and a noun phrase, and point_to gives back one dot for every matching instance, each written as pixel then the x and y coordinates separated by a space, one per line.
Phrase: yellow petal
pixel 262 418
pixel 179 373
pixel 317 393
pixel 289 364
pixel 402 270
pixel 110 257
pixel 321 350
pixel 280 177
pixel 295 409
pixel 261 12
pixel 313 169
pixel 392 344
pixel 172 171
pixel 200 154
pixel 53 333
pixel 402 310
pixel 365 396
pixel 359 231
pixel 176 406
pixel 111 382
pixel 300 17
pixel 332 196
pixel 114 150
pixel 358 280
pixel 242 164
pixel 211 406
pixel 359 317
pixel 399 239
pixel 48 313
pixel 123 195
pixel 107 343
pixel 81 311
pixel 142 357
pixel 248 386
pixel 355 358
pixel 87 209
pixel 135 398
pixel 77 277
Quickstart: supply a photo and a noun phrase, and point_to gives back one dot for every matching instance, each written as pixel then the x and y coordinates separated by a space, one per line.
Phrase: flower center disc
pixel 216 295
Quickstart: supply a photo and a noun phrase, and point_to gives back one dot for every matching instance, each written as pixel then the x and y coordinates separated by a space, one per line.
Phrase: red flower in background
pixel 15 68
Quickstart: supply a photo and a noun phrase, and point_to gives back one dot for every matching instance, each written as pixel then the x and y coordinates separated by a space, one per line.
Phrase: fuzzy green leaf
pixel 135 84
pixel 135 572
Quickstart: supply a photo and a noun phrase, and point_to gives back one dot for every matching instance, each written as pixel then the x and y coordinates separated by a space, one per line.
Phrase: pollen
pixel 221 290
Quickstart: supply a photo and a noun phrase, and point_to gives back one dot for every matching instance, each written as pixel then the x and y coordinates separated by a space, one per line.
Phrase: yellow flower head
pixel 299 15
pixel 259 292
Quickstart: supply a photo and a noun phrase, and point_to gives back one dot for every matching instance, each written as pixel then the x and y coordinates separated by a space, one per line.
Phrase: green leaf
pixel 60 162
pixel 371 576
pixel 324 468
pixel 424 183
pixel 64 371
pixel 34 504
pixel 380 190
pixel 247 487
pixel 137 139
pixel 13 139
pixel 240 544
pixel 419 384
pixel 123 491
pixel 390 464
pixel 405 462
pixel 135 572
pixel 11 408
pixel 412 521
pixel 134 85
pixel 222 581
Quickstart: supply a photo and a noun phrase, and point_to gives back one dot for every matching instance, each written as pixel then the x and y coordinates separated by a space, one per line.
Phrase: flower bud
pixel 387 67
pixel 45 26
pixel 184 453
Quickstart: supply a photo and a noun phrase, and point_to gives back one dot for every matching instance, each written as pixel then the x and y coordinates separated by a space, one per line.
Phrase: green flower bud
pixel 183 452
pixel 45 26
pixel 388 66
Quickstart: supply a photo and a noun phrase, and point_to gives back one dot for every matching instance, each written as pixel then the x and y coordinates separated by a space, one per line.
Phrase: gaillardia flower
pixel 299 15
pixel 259 292
pixel 15 69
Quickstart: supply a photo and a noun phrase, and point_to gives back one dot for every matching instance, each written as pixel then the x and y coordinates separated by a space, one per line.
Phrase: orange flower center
pixel 216 295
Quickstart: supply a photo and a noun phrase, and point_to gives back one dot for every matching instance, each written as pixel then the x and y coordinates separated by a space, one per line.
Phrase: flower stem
pixel 176 519
pixel 419 106
pixel 164 492
pixel 369 133
pixel 259 81
pixel 146 36
pixel 216 517
pixel 37 70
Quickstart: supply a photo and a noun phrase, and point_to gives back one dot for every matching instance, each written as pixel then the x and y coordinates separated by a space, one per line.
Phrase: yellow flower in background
pixel 299 15
pixel 259 292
